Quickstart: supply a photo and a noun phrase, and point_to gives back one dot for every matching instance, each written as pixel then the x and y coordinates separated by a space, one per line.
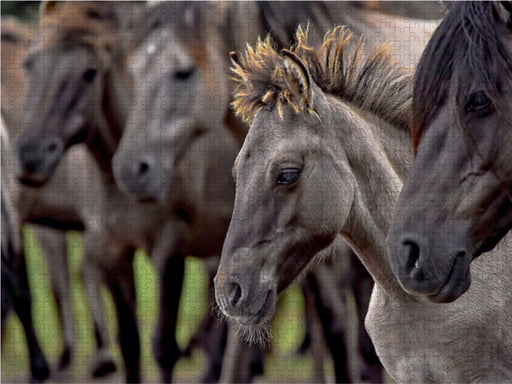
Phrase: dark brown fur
pixel 470 37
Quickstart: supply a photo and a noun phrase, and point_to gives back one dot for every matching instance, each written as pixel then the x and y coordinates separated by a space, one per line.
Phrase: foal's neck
pixel 378 185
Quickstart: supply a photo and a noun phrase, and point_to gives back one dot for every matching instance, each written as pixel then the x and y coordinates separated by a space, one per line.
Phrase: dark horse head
pixel 456 203
pixel 66 68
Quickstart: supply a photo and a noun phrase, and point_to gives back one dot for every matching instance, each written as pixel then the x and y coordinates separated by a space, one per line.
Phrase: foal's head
pixel 64 68
pixel 457 200
pixel 294 184
pixel 181 83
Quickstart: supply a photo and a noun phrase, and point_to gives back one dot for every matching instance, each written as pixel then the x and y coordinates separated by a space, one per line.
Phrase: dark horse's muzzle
pixel 438 270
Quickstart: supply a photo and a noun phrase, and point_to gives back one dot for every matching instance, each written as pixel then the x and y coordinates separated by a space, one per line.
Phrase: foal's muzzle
pixel 244 299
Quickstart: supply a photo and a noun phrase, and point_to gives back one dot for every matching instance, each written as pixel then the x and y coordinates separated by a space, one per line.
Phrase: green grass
pixel 288 328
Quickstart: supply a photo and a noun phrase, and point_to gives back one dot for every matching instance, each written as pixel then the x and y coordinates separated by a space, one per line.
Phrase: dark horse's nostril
pixel 143 168
pixel 413 255
pixel 235 294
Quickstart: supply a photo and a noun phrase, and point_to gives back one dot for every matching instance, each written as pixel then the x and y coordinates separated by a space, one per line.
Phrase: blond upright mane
pixel 375 84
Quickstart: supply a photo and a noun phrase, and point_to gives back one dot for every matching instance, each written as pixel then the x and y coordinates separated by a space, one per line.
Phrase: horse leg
pixel 16 282
pixel 121 282
pixel 221 359
pixel 333 324
pixel 237 359
pixel 215 346
pixel 170 263
pixel 53 243
pixel 165 346
pixel 212 333
pixel 372 370
pixel 306 342
pixel 102 361
pixel 316 333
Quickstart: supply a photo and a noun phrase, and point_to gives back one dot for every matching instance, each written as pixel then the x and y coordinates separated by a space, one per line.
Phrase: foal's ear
pixel 235 60
pixel 47 7
pixel 298 78
pixel 504 9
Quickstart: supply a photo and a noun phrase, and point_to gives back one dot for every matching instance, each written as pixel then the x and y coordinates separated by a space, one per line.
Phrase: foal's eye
pixel 478 103
pixel 288 176
pixel 184 74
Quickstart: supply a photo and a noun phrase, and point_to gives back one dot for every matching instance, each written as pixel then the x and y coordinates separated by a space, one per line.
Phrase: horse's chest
pixel 134 222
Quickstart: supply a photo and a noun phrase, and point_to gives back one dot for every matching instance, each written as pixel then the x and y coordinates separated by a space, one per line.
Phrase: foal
pixel 325 155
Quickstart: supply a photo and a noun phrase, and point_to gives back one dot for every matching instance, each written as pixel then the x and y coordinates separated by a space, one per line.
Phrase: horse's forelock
pixel 469 38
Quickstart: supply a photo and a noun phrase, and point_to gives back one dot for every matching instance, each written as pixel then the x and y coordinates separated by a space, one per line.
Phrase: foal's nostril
pixel 143 168
pixel 235 294
pixel 413 255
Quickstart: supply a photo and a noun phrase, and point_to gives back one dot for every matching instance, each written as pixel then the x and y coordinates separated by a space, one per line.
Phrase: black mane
pixel 471 37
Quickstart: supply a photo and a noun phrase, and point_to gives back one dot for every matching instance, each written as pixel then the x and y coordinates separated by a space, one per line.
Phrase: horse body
pixel 59 205
pixel 319 161
pixel 88 112
pixel 456 202
pixel 182 105
pixel 15 289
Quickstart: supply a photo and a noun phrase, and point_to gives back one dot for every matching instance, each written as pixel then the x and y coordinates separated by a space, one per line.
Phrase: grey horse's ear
pixel 298 78
pixel 47 7
pixel 504 9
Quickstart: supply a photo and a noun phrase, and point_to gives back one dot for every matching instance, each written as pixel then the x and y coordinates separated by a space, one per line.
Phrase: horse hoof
pixel 166 377
pixel 65 359
pixel 104 368
pixel 40 370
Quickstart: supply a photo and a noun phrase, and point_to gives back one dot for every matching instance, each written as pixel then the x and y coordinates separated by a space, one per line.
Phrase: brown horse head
pixel 457 201
pixel 66 68
pixel 180 74
pixel 295 188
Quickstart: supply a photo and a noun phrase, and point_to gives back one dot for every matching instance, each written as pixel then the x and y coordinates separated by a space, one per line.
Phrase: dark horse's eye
pixel 184 74
pixel 89 75
pixel 288 176
pixel 478 103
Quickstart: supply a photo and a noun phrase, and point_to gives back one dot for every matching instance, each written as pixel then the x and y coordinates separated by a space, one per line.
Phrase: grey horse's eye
pixel 288 176
pixel 184 74
pixel 89 75
pixel 478 103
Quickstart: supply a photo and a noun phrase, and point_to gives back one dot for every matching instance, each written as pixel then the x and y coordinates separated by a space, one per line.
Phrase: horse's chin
pixel 458 282
pixel 255 328
pixel 260 334
pixel 32 179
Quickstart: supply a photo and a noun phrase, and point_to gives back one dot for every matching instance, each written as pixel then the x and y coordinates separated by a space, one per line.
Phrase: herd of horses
pixel 290 140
